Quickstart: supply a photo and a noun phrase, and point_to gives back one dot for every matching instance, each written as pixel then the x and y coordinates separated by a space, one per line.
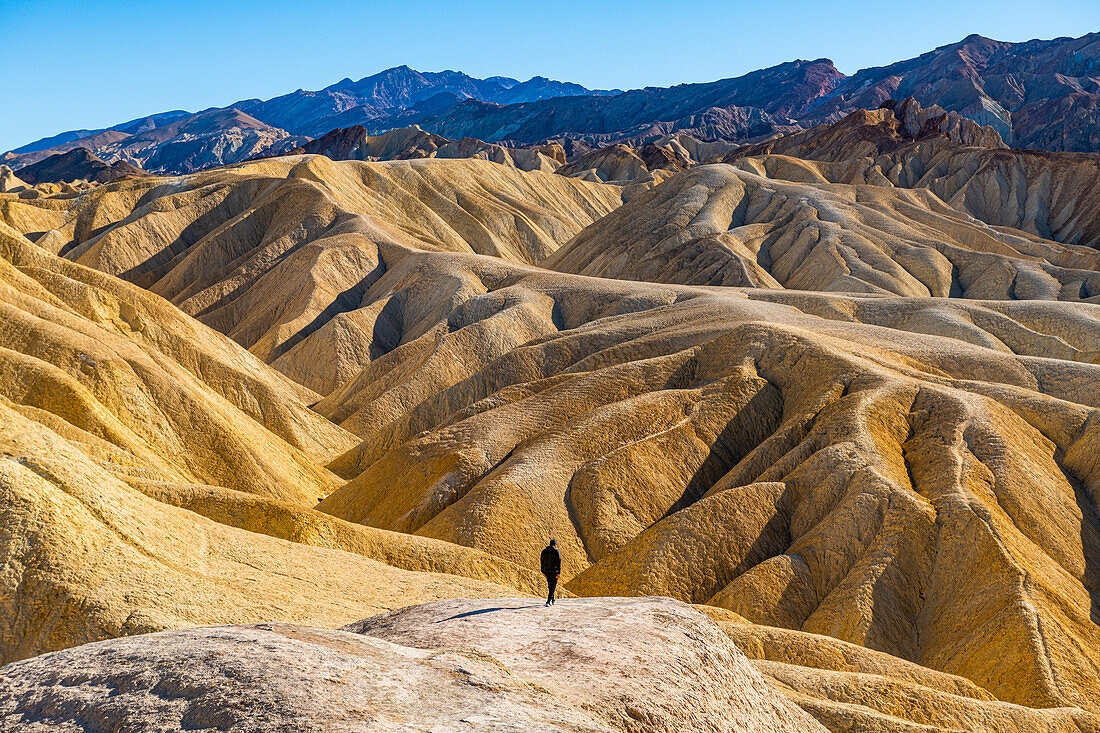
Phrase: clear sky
pixel 94 63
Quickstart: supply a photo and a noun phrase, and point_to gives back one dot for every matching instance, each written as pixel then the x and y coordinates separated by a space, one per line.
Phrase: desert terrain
pixel 814 420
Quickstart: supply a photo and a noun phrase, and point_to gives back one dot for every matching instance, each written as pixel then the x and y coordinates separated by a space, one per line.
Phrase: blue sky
pixel 95 63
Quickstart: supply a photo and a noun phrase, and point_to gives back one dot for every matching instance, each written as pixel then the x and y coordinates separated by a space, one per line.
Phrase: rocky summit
pixel 811 413
pixel 498 664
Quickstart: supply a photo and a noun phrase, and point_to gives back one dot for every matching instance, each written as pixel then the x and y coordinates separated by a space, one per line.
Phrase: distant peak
pixel 80 153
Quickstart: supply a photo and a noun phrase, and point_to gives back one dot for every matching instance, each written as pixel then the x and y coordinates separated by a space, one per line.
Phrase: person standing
pixel 550 563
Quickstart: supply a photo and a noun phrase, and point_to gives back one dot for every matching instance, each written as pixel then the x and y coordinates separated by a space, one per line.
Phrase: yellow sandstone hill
pixel 887 500
pixel 272 251
pixel 1051 195
pixel 112 398
pixel 719 225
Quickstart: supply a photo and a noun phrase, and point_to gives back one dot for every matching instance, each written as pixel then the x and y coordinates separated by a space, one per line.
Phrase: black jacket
pixel 551 561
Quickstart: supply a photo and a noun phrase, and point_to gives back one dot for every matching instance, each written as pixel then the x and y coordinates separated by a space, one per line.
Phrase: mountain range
pixel 1038 94
pixel 179 141
pixel 1042 94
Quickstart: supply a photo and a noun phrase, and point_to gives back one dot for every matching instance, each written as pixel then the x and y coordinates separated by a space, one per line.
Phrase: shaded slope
pixel 78 164
pixel 380 99
pixel 756 104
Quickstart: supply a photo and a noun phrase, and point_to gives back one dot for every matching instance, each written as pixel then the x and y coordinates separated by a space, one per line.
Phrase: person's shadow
pixel 489 610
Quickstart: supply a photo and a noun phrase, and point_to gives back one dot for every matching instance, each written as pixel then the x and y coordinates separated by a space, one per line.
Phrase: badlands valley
pixel 808 393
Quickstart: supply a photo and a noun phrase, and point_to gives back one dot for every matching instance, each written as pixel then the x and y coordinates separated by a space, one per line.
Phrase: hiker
pixel 550 563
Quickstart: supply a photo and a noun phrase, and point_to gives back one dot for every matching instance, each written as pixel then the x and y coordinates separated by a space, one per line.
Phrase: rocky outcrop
pixel 624 164
pixel 79 164
pixel 9 182
pixel 409 143
pixel 869 133
pixel 498 664
pixel 353 143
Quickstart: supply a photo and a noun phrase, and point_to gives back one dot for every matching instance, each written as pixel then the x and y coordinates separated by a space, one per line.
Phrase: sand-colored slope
pixel 269 252
pixel 86 558
pixel 306 526
pixel 916 477
pixel 9 182
pixel 918 494
pixel 719 225
pixel 148 388
pixel 1051 195
pixel 154 474
pixel 849 687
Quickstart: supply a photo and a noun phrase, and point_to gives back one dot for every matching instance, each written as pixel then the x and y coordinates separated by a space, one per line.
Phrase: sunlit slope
pixel 1052 195
pixel 722 225
pixel 122 422
pixel 925 490
pixel 269 252
pixel 852 688
pixel 86 557
pixel 877 481
pixel 147 388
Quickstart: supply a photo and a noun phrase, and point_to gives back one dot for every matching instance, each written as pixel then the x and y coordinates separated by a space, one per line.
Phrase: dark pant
pixel 552 582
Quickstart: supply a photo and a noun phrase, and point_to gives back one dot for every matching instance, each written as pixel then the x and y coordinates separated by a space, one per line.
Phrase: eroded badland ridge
pixel 814 420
